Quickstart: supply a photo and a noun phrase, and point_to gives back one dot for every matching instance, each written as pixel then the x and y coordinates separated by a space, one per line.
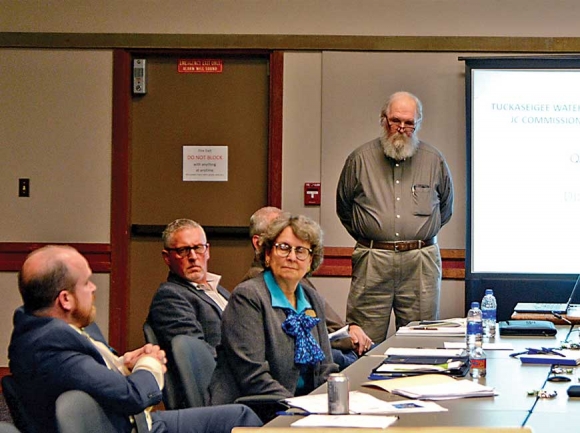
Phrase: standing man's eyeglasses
pixel 400 124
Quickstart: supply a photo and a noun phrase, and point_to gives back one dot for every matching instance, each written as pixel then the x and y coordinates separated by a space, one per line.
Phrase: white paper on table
pixel 485 346
pixel 341 333
pixel 363 403
pixel 409 351
pixel 362 421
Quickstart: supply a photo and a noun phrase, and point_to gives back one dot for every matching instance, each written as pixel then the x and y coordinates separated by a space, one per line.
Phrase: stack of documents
pixel 433 387
pixel 440 328
pixel 402 362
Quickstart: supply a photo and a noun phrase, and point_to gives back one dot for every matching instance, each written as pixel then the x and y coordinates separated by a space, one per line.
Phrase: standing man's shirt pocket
pixel 424 198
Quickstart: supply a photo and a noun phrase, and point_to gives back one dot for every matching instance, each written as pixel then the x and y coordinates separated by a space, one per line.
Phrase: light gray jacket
pixel 256 356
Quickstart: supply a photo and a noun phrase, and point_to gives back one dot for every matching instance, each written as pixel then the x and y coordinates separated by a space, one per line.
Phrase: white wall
pixel 55 129
pixel 331 105
pixel 531 18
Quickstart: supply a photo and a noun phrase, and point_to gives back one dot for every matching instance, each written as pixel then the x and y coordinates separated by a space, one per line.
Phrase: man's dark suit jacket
pixel 48 357
pixel 179 308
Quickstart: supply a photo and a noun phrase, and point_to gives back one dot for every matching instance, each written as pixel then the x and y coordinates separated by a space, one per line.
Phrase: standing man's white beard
pixel 398 146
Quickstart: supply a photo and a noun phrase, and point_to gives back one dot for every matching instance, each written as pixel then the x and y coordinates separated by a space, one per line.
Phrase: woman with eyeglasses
pixel 274 337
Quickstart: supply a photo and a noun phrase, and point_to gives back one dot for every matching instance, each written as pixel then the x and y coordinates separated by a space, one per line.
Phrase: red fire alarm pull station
pixel 312 193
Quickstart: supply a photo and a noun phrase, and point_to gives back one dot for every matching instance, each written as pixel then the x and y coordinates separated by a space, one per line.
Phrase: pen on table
pixel 423 328
pixel 385 376
pixel 287 413
pixel 553 351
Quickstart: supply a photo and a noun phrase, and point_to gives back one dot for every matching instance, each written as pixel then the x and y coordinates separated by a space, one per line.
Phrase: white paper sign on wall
pixel 205 163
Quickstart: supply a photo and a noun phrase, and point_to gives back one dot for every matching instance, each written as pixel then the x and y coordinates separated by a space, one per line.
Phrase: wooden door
pixel 230 109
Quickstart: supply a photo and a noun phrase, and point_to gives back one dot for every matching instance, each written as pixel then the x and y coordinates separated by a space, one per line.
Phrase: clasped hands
pixel 151 350
pixel 360 339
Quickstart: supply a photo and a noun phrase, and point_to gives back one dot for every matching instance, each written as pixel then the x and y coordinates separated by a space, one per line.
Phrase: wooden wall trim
pixel 275 134
pixel 151 41
pixel 337 260
pixel 120 200
pixel 337 263
pixel 13 254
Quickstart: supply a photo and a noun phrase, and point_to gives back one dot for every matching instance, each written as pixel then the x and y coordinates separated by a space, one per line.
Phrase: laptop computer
pixel 547 308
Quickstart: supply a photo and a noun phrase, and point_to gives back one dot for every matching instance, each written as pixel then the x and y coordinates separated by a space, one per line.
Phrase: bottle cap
pixel 475 304
pixel 489 291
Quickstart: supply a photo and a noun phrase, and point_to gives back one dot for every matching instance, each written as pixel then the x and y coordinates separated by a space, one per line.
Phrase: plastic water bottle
pixel 474 334
pixel 477 363
pixel 489 313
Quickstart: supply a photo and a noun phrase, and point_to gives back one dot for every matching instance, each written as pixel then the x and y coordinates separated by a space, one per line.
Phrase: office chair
pixel 6 427
pixel 16 408
pixel 172 398
pixel 194 364
pixel 78 412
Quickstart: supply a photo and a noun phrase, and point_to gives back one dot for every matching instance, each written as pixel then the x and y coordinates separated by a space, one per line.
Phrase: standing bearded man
pixel 394 195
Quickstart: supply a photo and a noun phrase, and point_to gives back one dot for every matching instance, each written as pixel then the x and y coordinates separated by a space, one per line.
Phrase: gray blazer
pixel 256 356
pixel 178 308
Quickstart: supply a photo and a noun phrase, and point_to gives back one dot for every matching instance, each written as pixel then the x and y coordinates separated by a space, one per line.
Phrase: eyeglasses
pixel 284 250
pixel 186 251
pixel 400 124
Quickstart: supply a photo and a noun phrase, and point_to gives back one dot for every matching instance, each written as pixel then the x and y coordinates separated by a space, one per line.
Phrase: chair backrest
pixel 171 394
pixel 195 365
pixel 6 427
pixel 78 412
pixel 149 334
pixel 17 409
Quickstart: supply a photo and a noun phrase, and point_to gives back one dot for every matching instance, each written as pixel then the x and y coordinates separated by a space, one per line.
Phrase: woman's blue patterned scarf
pixel 307 350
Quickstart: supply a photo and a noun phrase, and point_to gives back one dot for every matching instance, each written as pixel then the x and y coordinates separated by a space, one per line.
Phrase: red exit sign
pixel 200 66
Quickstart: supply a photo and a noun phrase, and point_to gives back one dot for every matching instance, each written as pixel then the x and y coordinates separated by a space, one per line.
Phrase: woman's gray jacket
pixel 256 356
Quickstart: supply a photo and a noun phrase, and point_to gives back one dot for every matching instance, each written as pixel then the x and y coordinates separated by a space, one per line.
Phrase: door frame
pixel 121 168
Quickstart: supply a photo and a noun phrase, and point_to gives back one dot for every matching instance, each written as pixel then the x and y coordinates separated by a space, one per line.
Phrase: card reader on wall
pixel 139 76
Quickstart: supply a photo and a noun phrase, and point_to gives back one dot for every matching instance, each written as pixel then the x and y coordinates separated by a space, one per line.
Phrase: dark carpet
pixel 4 413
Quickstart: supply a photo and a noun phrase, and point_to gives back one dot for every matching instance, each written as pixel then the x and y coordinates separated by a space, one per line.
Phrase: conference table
pixel 512 407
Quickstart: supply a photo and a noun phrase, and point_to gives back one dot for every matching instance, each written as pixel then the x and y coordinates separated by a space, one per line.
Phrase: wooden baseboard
pixel 13 254
pixel 337 260
pixel 4 371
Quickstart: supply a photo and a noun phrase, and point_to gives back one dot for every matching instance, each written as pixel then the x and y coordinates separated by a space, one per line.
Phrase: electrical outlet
pixel 23 187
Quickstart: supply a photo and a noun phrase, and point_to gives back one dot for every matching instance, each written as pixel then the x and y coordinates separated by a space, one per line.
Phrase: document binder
pixel 559 357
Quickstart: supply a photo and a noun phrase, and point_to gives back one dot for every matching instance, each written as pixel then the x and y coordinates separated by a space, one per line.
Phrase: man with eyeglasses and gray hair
pixel 191 301
pixel 393 196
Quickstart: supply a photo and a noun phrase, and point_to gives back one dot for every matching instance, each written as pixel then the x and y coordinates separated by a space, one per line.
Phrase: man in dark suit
pixel 191 301
pixel 50 353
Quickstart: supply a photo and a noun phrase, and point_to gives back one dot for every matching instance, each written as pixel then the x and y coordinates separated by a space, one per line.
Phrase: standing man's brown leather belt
pixel 398 246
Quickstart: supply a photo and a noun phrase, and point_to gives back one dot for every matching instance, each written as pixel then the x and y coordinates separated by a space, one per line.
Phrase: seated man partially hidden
pixel 50 353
